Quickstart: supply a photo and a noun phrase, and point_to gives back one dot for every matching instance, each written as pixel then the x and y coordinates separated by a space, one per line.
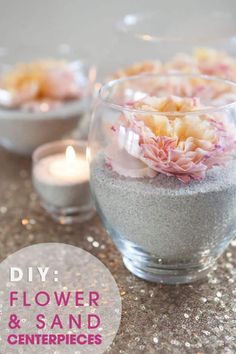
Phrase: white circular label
pixel 57 299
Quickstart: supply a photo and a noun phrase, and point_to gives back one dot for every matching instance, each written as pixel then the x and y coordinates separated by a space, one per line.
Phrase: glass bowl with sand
pixel 163 172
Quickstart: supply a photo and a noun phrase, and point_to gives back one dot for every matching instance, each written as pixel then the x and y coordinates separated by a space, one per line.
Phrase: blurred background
pixel 88 24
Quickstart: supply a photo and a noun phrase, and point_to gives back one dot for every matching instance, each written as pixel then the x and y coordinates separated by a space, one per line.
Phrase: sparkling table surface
pixel 198 318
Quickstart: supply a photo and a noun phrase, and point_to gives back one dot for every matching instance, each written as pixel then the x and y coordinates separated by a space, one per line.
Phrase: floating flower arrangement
pixel 171 135
pixel 150 66
pixel 41 85
pixel 202 61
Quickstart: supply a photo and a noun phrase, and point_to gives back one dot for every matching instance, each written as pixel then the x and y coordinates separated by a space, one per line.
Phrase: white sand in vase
pixel 174 221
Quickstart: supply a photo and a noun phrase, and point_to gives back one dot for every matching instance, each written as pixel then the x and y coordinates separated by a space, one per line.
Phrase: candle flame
pixel 70 154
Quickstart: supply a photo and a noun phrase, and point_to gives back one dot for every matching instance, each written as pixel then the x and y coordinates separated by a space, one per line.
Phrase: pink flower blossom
pixel 29 83
pixel 182 146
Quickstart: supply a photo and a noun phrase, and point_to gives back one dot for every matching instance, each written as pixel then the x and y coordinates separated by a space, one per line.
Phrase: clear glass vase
pixel 163 173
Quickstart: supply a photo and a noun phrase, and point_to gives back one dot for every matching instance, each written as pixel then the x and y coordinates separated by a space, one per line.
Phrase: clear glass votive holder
pixel 61 178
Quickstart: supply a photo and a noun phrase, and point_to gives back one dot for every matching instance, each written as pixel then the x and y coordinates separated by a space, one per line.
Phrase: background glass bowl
pixel 21 132
pixel 167 232
pixel 162 35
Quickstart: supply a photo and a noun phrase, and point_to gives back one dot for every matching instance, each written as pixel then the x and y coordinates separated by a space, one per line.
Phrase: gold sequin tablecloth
pixel 198 318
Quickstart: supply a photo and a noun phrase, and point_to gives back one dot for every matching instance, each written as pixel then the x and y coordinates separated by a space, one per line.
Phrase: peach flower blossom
pixel 202 60
pixel 150 66
pixel 214 62
pixel 42 79
pixel 169 140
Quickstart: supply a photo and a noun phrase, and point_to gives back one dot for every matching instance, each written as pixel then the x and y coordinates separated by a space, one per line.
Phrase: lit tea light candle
pixel 67 167
pixel 61 178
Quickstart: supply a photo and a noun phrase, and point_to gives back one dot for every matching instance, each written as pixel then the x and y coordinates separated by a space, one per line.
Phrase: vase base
pixel 165 275
pixel 168 267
